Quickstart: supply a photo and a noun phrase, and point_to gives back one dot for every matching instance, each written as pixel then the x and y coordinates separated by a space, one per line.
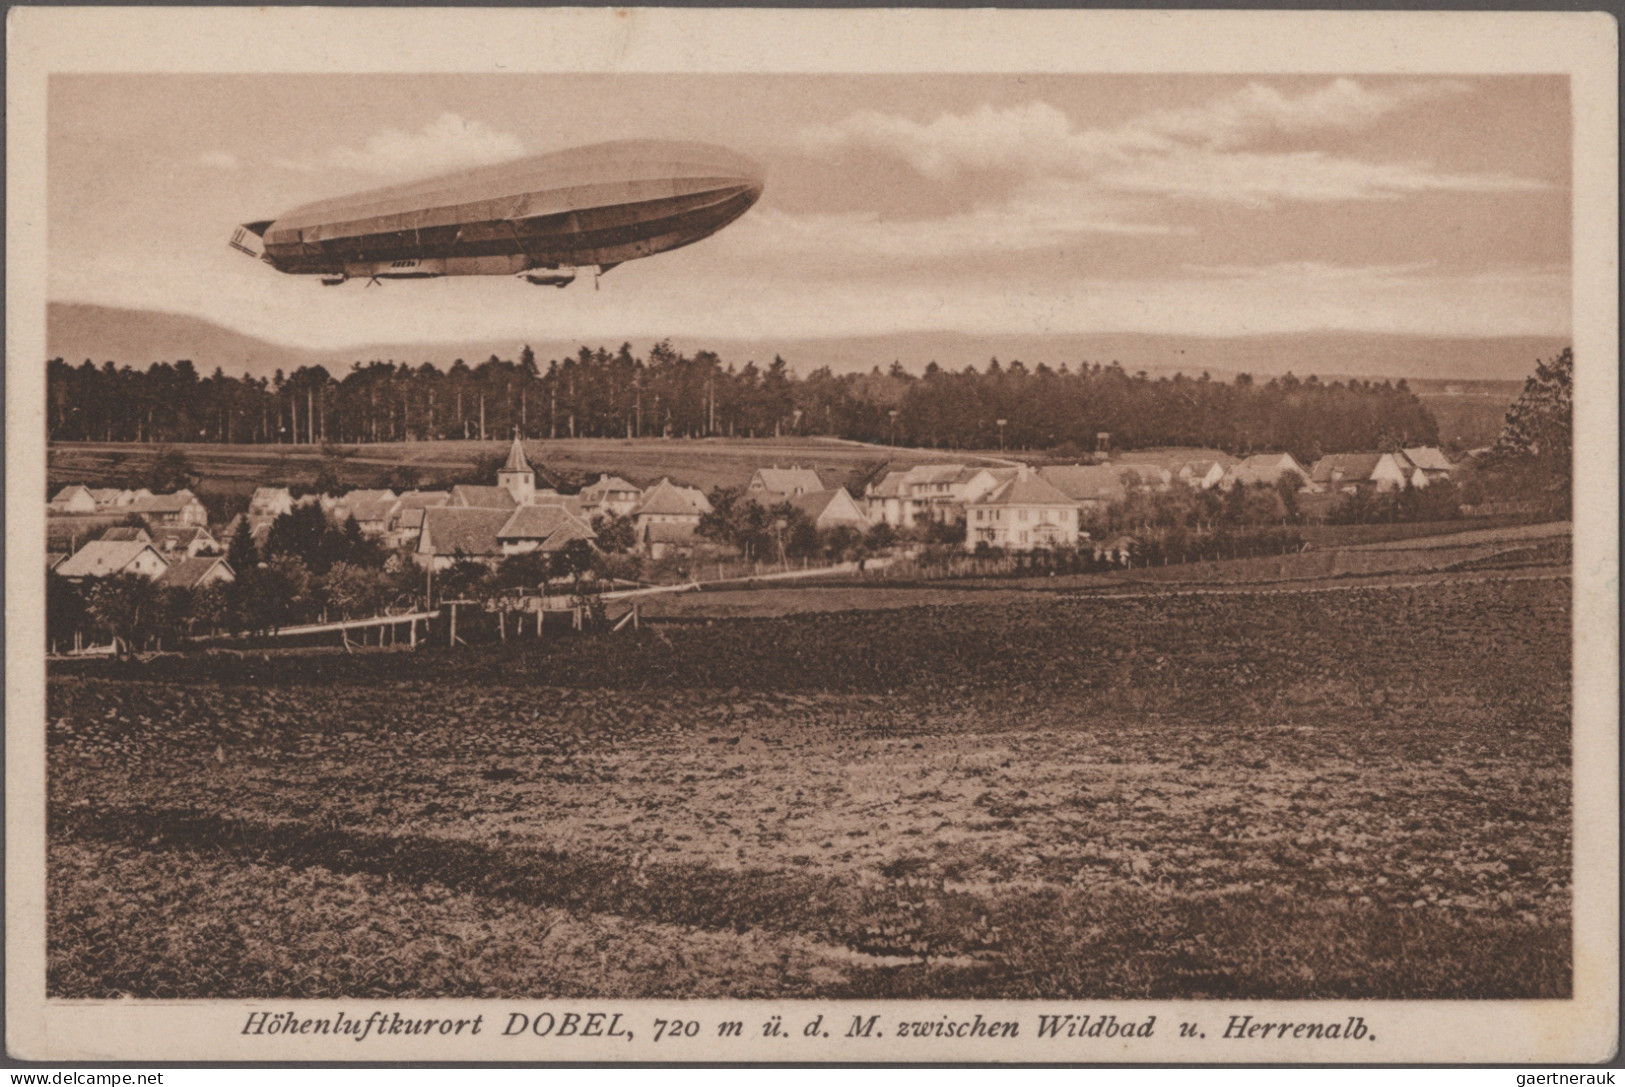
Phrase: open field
pixel 1465 555
pixel 705 463
pixel 1052 795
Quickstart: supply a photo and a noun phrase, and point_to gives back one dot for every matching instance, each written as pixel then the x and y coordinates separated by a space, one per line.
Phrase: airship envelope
pixel 541 218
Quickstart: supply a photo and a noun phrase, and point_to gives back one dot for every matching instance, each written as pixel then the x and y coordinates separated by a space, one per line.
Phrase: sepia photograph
pixel 1061 561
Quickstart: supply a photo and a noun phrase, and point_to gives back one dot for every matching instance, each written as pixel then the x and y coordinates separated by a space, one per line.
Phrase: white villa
pixel 1023 514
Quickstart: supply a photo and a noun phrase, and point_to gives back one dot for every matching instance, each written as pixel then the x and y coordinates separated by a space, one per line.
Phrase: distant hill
pixel 77 331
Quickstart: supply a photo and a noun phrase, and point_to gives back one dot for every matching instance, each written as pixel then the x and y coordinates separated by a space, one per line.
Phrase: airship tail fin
pixel 246 240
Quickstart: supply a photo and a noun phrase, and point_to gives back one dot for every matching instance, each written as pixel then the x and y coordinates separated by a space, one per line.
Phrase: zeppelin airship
pixel 542 218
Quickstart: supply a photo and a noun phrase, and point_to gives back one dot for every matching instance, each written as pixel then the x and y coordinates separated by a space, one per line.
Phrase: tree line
pixel 599 393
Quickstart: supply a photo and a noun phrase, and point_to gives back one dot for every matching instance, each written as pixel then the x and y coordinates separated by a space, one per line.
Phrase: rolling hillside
pixel 76 331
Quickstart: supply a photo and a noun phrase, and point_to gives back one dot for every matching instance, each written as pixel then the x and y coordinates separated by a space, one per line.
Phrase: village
pixel 1005 507
pixel 616 536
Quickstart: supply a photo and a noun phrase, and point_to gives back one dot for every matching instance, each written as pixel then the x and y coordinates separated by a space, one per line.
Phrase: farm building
pixel 1349 472
pixel 611 496
pixel 1205 474
pixel 454 533
pixel 181 540
pixel 668 514
pixel 409 515
pixel 374 511
pixel 1161 469
pixel 784 481
pixel 127 534
pixel 1430 461
pixel 74 498
pixel 1092 486
pixel 541 528
pixel 1023 514
pixel 112 498
pixel 1265 469
pixel 469 496
pixel 101 558
pixel 1144 477
pixel 180 508
pixel 831 509
pixel 451 534
pixel 197 573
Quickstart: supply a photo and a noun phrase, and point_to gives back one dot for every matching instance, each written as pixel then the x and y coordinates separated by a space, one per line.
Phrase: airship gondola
pixel 540 218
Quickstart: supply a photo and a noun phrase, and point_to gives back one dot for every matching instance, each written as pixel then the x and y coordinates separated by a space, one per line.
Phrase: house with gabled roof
pixel 74 498
pixel 374 510
pixel 112 498
pixel 452 534
pixel 888 500
pixel 930 492
pixel 831 509
pixel 784 481
pixel 668 514
pixel 104 558
pixel 546 528
pixel 1092 486
pixel 1202 473
pixel 610 496
pixel 471 496
pixel 182 540
pixel 409 515
pixel 1023 514
pixel 1160 469
pixel 197 573
pixel 1430 461
pixel 1349 472
pixel 127 534
pixel 180 508
pixel 1265 469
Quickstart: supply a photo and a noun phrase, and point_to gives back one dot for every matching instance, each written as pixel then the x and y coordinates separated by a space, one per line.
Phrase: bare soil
pixel 1156 796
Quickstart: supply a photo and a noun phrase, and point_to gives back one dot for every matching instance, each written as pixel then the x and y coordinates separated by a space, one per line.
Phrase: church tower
pixel 516 475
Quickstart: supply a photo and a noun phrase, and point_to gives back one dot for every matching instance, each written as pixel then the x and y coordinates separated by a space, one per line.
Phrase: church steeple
pixel 516 475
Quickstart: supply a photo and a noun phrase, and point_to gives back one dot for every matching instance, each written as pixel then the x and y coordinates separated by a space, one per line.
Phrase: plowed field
pixel 1364 793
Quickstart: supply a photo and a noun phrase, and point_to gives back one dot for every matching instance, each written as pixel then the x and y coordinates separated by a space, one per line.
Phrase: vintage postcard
pixel 861 536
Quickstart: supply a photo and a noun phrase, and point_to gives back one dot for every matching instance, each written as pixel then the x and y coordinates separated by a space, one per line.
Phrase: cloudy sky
pixel 985 204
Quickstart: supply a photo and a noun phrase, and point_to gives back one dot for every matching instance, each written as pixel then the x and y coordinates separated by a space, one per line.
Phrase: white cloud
pixel 1022 137
pixel 1046 214
pixel 1260 179
pixel 1258 109
pixel 1193 153
pixel 449 142
pixel 219 160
